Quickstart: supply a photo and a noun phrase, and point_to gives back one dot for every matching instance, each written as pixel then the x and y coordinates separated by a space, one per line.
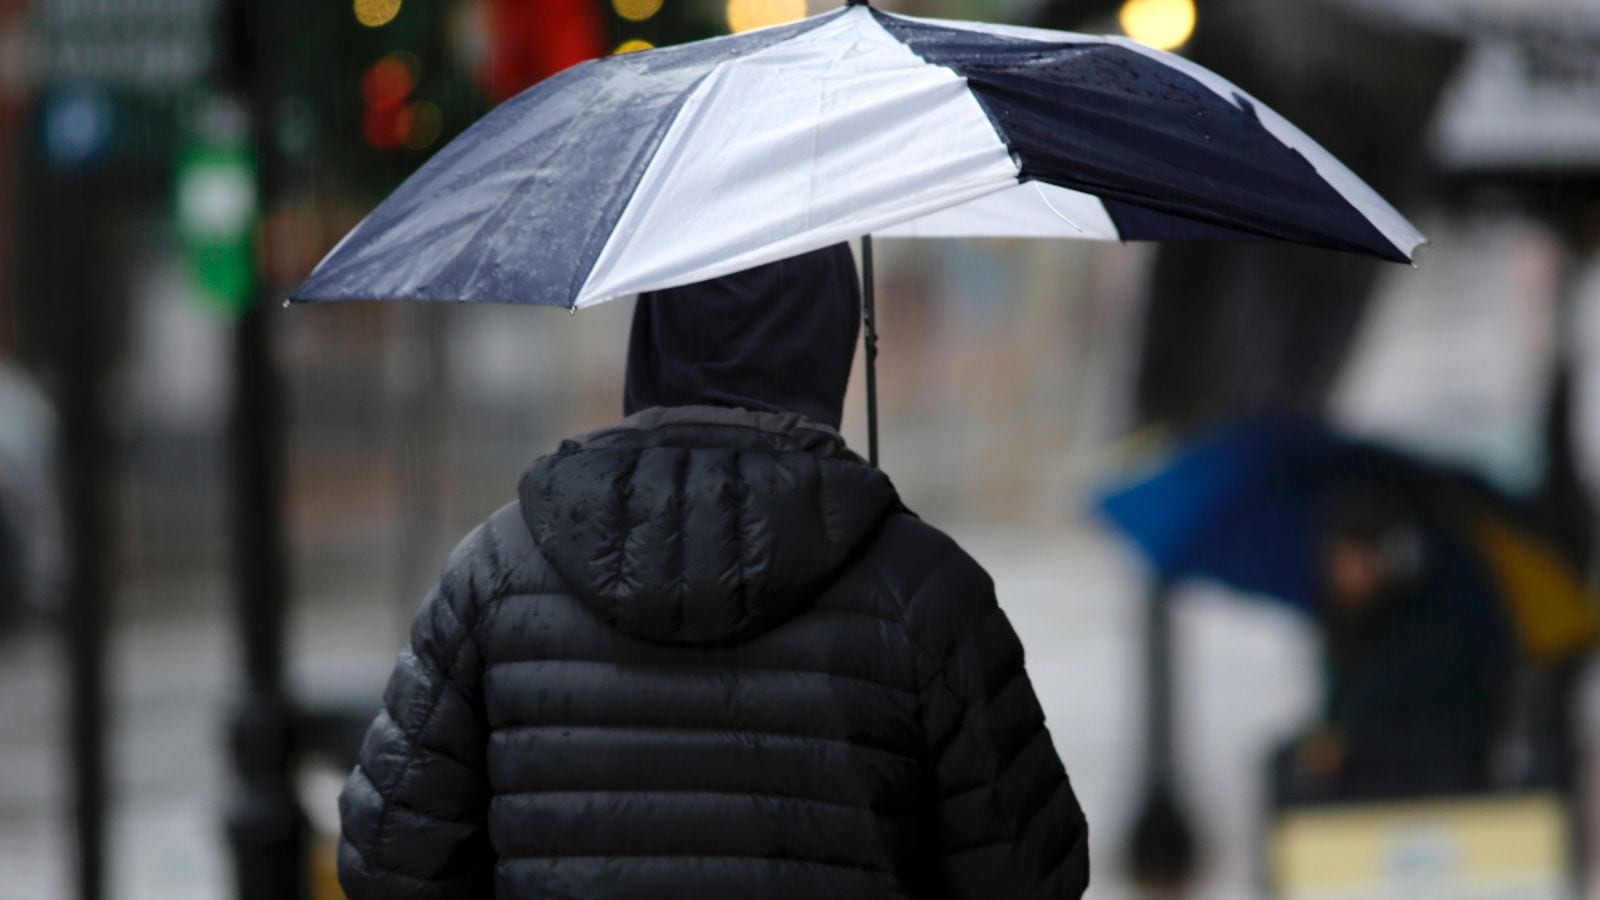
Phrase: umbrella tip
pixel 1423 248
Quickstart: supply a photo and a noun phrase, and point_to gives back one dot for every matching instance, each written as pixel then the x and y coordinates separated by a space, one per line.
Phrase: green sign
pixel 217 207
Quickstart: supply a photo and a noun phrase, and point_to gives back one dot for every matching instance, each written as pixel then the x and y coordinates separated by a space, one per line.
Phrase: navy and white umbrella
pixel 670 166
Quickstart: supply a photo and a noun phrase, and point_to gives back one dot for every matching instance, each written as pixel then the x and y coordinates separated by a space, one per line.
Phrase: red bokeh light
pixel 387 82
pixel 533 39
pixel 384 127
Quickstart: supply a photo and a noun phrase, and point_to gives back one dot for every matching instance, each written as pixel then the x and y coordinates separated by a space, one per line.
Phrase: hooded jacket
pixel 779 337
pixel 709 654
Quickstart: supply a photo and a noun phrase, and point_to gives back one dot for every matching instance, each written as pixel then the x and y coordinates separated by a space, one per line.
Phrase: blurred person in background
pixel 32 558
pixel 1418 660
pixel 709 653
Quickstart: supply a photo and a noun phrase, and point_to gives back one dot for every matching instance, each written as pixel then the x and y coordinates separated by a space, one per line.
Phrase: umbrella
pixel 671 166
pixel 1247 506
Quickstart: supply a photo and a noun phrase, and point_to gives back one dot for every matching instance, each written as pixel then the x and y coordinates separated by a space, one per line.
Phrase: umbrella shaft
pixel 869 340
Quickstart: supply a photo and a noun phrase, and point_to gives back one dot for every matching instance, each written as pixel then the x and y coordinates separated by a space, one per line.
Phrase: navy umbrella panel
pixel 670 166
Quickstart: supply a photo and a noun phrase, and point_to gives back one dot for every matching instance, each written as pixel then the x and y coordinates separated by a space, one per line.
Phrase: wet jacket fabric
pixel 709 654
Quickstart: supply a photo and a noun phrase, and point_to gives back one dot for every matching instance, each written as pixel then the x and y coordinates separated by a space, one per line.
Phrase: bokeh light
pixel 386 127
pixel 744 15
pixel 389 121
pixel 425 125
pixel 1162 24
pixel 636 10
pixel 633 46
pixel 376 13
pixel 390 80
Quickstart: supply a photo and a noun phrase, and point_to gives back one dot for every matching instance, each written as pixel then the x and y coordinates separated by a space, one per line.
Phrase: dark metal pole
pixel 1159 710
pixel 1161 849
pixel 1563 497
pixel 265 824
pixel 869 339
pixel 71 234
pixel 266 827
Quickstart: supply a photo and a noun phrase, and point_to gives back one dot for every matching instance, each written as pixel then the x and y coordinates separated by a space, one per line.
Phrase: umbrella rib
pixel 1052 207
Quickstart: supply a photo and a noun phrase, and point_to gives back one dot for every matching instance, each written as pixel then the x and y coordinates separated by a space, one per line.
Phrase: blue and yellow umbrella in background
pixel 1248 506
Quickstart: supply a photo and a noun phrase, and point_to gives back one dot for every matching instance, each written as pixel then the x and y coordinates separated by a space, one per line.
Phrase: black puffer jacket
pixel 709 655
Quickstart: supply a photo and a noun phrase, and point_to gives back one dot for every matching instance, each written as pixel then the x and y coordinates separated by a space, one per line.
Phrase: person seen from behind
pixel 708 653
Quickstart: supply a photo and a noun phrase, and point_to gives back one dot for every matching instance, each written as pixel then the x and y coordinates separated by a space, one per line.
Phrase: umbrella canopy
pixel 1248 506
pixel 672 166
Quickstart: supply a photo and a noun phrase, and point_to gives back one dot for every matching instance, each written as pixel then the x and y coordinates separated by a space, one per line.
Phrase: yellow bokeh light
pixel 636 10
pixel 744 15
pixel 376 13
pixel 633 46
pixel 1162 24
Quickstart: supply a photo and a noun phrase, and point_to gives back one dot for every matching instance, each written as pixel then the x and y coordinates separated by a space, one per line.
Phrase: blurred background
pixel 1302 547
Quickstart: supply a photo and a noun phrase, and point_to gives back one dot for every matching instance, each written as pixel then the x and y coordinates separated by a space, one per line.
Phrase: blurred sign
pixel 1494 848
pixel 147 45
pixel 1527 96
pixel 1471 19
pixel 1531 104
pixel 217 210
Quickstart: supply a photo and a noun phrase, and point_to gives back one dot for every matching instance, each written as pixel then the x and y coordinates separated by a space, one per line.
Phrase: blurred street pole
pixel 266 826
pixel 1162 850
pixel 71 268
pixel 265 823
pixel 75 281
pixel 1563 495
pixel 95 125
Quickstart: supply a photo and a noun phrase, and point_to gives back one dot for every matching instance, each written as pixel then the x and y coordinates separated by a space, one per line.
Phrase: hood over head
pixel 778 338
pixel 700 525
